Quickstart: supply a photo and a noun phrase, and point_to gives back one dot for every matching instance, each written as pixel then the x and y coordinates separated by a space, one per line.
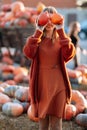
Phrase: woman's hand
pixel 59 26
pixel 39 27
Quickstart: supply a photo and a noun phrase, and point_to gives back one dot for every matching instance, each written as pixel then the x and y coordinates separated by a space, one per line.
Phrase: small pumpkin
pixel 10 82
pixel 6 7
pixel 24 104
pixel 23 22
pixel 43 19
pixel 81 119
pixel 1 89
pixel 74 73
pixel 70 111
pixel 40 7
pixel 20 70
pixel 10 90
pixel 8 68
pixel 7 60
pixel 32 113
pixel 17 6
pixel 22 94
pixel 4 85
pixel 79 101
pixel 19 78
pixel 12 109
pixel 4 98
pixel 57 18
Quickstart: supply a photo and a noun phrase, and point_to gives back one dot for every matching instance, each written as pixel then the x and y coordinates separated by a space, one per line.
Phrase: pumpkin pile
pixel 13 74
pixel 13 71
pixel 16 14
pixel 78 76
pixel 14 99
pixel 78 105
pixel 77 109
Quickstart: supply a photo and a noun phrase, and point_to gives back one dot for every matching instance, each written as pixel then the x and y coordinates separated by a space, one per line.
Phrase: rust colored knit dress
pixel 50 80
pixel 53 88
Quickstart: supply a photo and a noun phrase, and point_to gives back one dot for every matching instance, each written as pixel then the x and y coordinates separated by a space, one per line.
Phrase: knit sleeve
pixel 67 51
pixel 62 36
pixel 31 45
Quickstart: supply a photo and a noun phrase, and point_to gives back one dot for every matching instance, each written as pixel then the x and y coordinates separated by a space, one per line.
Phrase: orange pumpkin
pixel 7 59
pixel 40 7
pixel 10 82
pixel 74 73
pixel 1 89
pixel 23 22
pixel 6 7
pixel 24 104
pixel 12 109
pixel 8 68
pixel 17 6
pixel 43 18
pixel 20 70
pixel 32 113
pixel 2 24
pixel 9 16
pixel 57 18
pixel 4 98
pixel 18 78
pixel 33 18
pixel 70 111
pixel 79 101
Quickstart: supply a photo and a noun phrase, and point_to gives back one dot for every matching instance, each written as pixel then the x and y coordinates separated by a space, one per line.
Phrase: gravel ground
pixel 23 123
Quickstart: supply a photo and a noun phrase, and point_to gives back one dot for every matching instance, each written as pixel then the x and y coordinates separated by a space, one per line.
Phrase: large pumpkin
pixel 12 109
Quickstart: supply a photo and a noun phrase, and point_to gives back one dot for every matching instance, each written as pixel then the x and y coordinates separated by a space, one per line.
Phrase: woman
pixel 49 48
pixel 74 29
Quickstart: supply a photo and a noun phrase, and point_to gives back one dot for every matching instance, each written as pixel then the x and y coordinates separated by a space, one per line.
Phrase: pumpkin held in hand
pixel 43 19
pixel 57 18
